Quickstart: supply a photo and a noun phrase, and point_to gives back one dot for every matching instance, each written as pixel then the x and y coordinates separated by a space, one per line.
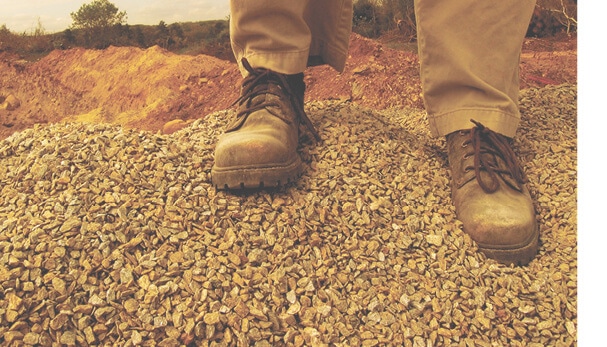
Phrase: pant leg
pixel 469 53
pixel 288 35
pixel 331 24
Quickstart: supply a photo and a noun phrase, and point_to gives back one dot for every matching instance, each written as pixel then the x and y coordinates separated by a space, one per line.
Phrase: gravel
pixel 117 237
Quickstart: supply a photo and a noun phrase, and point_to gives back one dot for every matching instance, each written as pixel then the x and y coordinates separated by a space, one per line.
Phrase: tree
pixel 97 19
pixel 163 36
pixel 69 37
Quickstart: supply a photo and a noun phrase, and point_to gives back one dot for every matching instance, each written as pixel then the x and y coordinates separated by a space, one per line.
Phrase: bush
pixel 553 16
pixel 374 18
pixel 36 43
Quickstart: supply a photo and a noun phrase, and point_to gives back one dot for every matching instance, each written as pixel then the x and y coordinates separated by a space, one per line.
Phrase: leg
pixel 469 54
pixel 270 34
pixel 287 36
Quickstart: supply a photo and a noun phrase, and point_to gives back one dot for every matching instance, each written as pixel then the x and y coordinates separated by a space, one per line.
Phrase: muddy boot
pixel 490 196
pixel 259 147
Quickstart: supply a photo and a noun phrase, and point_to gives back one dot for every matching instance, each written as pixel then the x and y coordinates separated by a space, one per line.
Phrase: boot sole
pixel 518 256
pixel 255 177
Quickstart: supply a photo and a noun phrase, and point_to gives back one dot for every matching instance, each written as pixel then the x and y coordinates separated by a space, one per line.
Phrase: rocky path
pixel 116 236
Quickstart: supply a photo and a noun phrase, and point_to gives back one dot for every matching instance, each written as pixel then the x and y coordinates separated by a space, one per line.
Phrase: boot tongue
pixel 263 93
pixel 259 91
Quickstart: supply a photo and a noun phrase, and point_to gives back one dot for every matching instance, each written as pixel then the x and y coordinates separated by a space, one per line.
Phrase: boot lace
pixel 258 84
pixel 489 149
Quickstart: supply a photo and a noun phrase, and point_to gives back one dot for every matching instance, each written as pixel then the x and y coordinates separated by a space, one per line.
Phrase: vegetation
pixel 100 24
pixel 553 16
pixel 32 44
pixel 375 18
pixel 204 37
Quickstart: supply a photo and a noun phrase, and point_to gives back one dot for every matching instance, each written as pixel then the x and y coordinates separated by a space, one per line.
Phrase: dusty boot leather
pixel 490 196
pixel 259 147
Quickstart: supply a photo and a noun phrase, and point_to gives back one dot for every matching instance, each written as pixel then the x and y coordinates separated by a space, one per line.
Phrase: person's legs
pixel 469 54
pixel 273 42
pixel 288 36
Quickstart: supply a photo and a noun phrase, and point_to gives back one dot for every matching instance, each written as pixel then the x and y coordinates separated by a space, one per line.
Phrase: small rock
pixel 435 240
pixel 31 338
pixel 174 125
pixel 10 103
pixel 212 318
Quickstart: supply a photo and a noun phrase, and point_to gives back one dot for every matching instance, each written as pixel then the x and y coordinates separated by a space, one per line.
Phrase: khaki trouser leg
pixel 469 54
pixel 287 36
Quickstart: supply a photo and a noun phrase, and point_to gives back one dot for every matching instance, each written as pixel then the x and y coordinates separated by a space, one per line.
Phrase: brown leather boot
pixel 490 196
pixel 259 147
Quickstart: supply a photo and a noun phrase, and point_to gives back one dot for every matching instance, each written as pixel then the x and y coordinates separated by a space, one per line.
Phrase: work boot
pixel 490 196
pixel 259 147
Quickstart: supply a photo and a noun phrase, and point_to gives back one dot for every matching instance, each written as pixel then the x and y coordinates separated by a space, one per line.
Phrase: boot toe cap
pixel 502 224
pixel 251 151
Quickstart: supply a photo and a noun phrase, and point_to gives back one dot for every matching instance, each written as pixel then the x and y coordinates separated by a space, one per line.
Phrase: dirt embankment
pixel 128 86
pixel 145 89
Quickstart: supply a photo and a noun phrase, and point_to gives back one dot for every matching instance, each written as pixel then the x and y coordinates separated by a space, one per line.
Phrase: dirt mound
pixel 122 85
pixel 374 76
pixel 147 88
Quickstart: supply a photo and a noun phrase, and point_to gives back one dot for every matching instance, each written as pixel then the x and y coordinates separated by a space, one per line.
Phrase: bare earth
pixel 145 89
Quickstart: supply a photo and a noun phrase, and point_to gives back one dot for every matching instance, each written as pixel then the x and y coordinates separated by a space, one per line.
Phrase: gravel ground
pixel 116 237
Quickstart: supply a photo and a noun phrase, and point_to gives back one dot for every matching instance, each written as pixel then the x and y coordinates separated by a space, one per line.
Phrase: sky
pixel 22 15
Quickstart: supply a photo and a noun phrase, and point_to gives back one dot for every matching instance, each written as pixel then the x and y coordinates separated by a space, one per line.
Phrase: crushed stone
pixel 117 237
